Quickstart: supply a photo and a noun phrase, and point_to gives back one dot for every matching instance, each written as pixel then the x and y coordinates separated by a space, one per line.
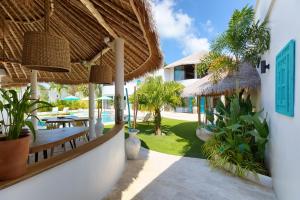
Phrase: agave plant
pixel 18 111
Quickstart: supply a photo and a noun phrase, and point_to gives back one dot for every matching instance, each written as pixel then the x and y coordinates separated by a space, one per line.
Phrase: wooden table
pixel 62 121
pixel 67 119
pixel 81 119
pixel 48 139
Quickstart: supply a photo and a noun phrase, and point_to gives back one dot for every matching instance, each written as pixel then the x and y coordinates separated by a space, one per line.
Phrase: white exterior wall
pixel 90 176
pixel 285 131
pixel 169 74
pixel 109 90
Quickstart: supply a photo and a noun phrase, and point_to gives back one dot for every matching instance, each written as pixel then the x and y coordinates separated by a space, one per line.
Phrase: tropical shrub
pixel 61 104
pixel 72 105
pixel 239 139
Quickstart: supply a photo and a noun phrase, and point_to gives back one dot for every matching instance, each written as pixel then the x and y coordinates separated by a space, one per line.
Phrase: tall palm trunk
pixel 157 121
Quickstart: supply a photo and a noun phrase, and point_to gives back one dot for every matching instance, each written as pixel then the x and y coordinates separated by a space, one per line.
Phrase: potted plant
pixel 205 131
pixel 14 143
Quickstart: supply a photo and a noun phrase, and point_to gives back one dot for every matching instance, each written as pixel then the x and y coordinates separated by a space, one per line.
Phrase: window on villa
pixel 179 73
pixel 285 79
pixel 184 72
pixel 189 72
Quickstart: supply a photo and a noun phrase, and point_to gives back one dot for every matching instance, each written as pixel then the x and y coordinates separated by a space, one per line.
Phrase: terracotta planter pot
pixel 13 157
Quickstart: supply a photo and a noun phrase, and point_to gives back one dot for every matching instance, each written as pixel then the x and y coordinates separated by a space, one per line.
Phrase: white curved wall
pixel 87 177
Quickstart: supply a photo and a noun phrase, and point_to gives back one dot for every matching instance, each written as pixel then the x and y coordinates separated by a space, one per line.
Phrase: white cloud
pixel 194 44
pixel 177 25
pixel 208 26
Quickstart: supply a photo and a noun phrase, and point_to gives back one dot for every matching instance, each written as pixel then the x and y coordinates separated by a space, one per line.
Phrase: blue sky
pixel 188 26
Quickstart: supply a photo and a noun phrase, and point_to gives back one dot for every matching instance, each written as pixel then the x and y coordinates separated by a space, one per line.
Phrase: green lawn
pixel 179 138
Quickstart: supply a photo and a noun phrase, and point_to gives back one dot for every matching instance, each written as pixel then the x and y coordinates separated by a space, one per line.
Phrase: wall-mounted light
pixel 264 66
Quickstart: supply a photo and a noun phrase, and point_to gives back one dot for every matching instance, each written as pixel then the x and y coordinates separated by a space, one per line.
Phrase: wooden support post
pixel 199 109
pixel 92 133
pixel 119 80
pixel 34 96
pixel 206 107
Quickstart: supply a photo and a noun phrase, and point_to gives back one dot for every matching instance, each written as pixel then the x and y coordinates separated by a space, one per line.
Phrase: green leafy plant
pixel 18 111
pixel 72 105
pixel 154 94
pixel 239 139
pixel 245 40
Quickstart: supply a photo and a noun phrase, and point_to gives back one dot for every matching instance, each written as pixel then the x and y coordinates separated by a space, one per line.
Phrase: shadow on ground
pixel 194 144
pixel 168 177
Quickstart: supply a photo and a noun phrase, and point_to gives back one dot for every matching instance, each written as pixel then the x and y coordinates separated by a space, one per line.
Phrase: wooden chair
pixel 80 123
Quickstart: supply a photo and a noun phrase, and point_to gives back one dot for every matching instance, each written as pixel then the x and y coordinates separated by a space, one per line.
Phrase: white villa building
pixel 280 94
pixel 182 71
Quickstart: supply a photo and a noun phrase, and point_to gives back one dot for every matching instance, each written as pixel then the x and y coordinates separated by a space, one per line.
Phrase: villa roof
pixel 246 77
pixel 189 60
pixel 84 24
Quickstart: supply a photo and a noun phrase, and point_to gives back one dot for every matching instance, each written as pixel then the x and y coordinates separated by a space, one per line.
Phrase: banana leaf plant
pixel 16 112
pixel 240 137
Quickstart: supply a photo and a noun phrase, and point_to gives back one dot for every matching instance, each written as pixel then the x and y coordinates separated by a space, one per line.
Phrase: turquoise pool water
pixel 107 117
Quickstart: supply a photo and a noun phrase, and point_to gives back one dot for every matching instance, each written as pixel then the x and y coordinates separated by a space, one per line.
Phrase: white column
pixel 92 133
pixel 34 96
pixel 119 80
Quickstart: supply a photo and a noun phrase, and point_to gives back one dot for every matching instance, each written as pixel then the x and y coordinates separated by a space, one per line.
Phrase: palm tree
pixel 58 87
pixel 244 40
pixel 154 94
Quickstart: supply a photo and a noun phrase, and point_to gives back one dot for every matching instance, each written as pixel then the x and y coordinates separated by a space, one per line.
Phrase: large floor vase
pixel 99 127
pixel 13 157
pixel 132 145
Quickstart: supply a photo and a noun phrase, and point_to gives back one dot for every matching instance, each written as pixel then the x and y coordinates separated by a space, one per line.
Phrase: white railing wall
pixel 89 176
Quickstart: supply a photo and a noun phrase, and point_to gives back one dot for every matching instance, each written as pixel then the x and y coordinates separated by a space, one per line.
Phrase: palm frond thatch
pixel 246 77
pixel 128 19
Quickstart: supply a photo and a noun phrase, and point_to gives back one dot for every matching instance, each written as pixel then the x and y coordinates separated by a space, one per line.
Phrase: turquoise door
pixel 191 104
pixel 202 104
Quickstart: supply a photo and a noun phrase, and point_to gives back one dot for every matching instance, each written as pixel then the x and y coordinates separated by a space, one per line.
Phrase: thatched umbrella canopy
pixel 246 77
pixel 85 24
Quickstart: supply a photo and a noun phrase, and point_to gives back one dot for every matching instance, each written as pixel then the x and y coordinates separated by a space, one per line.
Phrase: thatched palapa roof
pixel 85 24
pixel 246 77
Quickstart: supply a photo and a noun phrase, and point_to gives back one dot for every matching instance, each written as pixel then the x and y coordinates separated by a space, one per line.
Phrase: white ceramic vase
pixel 132 145
pixel 99 127
pixel 203 134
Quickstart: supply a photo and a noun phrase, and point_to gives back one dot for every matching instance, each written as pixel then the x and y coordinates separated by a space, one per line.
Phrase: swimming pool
pixel 107 117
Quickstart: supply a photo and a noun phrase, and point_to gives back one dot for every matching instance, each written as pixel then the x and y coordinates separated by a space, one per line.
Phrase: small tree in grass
pixel 154 94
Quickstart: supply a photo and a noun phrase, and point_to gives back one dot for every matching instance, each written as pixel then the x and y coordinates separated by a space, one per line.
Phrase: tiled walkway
pixel 180 116
pixel 157 176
